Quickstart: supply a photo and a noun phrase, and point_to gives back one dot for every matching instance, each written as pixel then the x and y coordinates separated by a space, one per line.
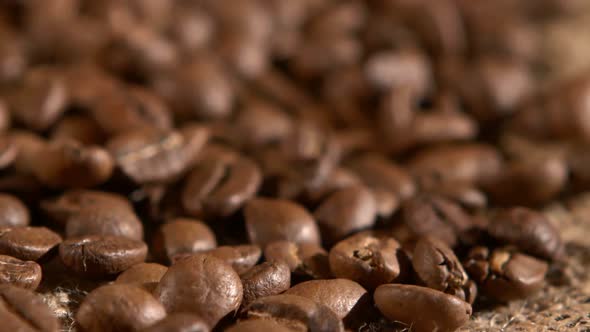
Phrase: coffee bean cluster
pixel 281 165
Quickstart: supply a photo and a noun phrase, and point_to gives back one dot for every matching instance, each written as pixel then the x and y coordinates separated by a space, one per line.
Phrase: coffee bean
pixel 304 259
pixel 346 211
pixel 259 325
pixel 438 267
pixel 528 230
pixel 436 216
pixel 270 220
pixel 149 155
pixel 78 128
pixel 143 275
pixel 241 258
pixel 29 146
pixel 13 213
pixel 24 274
pixel 261 122
pixel 28 243
pixel 8 150
pixel 343 296
pixel 268 278
pixel 423 309
pixel 24 310
pixel 103 220
pixel 182 236
pixel 203 285
pixel 98 256
pixel 179 322
pixel 61 208
pixel 367 258
pixel 119 308
pixel 218 188
pixel 504 275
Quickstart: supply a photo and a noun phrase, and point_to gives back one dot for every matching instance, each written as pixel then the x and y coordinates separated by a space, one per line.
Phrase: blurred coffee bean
pixel 270 220
pixel 103 220
pixel 407 304
pixel 143 275
pixel 305 259
pixel 119 307
pixel 182 236
pixel 181 322
pixel 528 230
pixel 97 256
pixel 24 310
pixel 261 122
pixel 258 325
pixel 266 279
pixel 13 213
pixel 8 151
pixel 15 272
pixel 29 146
pixel 241 257
pixel 201 284
pixel 28 243
pixel 78 128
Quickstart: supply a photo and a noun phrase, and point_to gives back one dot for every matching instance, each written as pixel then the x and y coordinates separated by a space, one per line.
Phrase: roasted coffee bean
pixel 28 243
pixel 217 188
pixel 143 275
pixel 23 310
pixel 259 325
pixel 296 312
pixel 436 216
pixel 270 220
pixel 303 259
pixel 29 146
pixel 504 275
pixel 203 285
pixel 179 322
pixel 150 155
pixel 8 150
pixel 71 202
pixel 346 211
pixel 261 122
pixel 438 267
pixel 528 230
pixel 13 213
pixel 367 258
pixel 102 220
pixel 69 164
pixel 119 308
pixel 24 274
pixel 421 308
pixel 241 258
pixel 343 296
pixel 182 236
pixel 99 256
pixel 268 278
pixel 78 128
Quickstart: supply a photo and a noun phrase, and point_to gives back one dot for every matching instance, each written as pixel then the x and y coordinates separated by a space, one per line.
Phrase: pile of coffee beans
pixel 280 165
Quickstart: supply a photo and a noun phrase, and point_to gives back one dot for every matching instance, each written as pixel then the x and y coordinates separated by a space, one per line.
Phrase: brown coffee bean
pixel 148 156
pixel 467 163
pixel 78 128
pixel 179 322
pixel 303 259
pixel 343 296
pixel 143 275
pixel 28 243
pixel 436 216
pixel 8 150
pixel 259 325
pixel 423 309
pixel 438 267
pixel 219 189
pixel 528 230
pixel 270 220
pixel 504 275
pixel 262 122
pixel 295 312
pixel 200 284
pixel 13 213
pixel 182 236
pixel 268 278
pixel 24 310
pixel 241 258
pixel 24 274
pixel 103 220
pixel 71 202
pixel 409 67
pixel 29 146
pixel 346 211
pixel 69 164
pixel 119 308
pixel 367 258
pixel 98 256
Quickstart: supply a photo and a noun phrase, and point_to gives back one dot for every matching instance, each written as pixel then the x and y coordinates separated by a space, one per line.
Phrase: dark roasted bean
pixel 180 322
pixel 144 275
pixel 268 278
pixel 304 259
pixel 259 325
pixel 242 258
pixel 28 243
pixel 104 220
pixel 13 213
pixel 200 284
pixel 119 308
pixel 98 256
pixel 78 128
pixel 24 274
pixel 23 310
pixel 182 236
